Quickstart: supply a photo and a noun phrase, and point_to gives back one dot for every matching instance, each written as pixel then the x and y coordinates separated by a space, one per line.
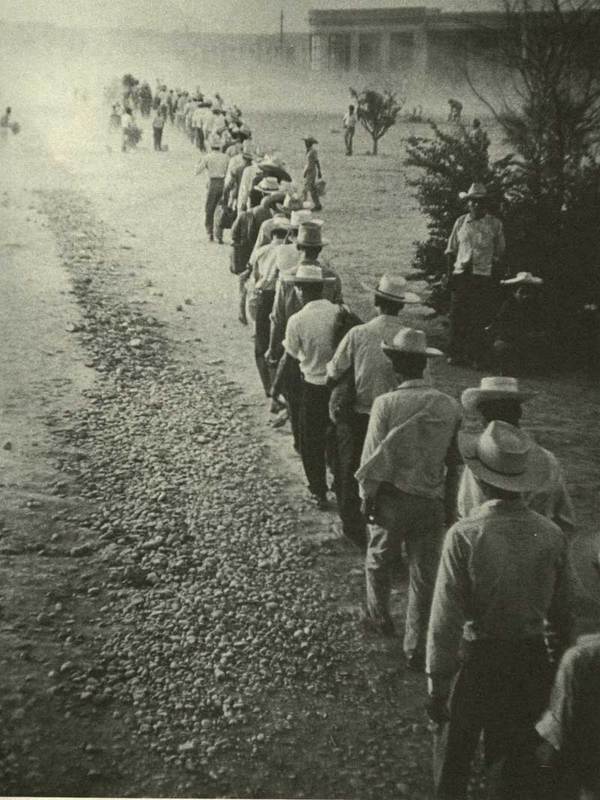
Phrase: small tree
pixel 377 112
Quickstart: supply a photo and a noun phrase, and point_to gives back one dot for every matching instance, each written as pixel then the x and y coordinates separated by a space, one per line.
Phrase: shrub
pixel 377 112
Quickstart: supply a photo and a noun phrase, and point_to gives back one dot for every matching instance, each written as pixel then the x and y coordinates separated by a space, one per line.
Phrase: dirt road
pixel 153 515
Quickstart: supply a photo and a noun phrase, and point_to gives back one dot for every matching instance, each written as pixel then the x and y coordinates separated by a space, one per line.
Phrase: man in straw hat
pixel 519 333
pixel 360 363
pixel 475 249
pixel 502 398
pixel 306 241
pixel 503 578
pixel 570 727
pixel 309 341
pixel 408 477
pixel 215 164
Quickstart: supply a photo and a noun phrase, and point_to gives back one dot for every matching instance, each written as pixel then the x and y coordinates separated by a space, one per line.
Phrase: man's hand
pixel 437 709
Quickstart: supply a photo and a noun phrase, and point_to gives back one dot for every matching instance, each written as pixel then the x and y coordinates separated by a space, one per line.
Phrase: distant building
pixel 381 40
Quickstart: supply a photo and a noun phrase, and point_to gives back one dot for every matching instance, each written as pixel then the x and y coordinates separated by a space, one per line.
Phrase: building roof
pixel 371 16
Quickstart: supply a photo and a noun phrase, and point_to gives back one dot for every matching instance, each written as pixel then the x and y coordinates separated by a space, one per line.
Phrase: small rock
pixel 7 446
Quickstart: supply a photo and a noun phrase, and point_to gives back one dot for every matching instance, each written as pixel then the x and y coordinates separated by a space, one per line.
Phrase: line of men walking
pixel 484 519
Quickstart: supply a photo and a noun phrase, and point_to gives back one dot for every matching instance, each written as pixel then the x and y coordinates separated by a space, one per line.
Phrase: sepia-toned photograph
pixel 300 399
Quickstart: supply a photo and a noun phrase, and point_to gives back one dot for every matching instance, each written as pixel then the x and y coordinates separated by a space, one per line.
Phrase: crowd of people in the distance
pixel 484 520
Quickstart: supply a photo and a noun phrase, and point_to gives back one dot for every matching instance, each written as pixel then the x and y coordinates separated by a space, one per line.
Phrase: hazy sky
pixel 235 15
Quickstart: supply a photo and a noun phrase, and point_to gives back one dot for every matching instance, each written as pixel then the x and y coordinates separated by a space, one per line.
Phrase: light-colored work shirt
pixel 410 441
pixel 309 339
pixel 287 302
pixel 350 120
pixel 551 500
pixel 503 572
pixel 571 723
pixel 215 164
pixel 264 266
pixel 479 242
pixel 248 175
pixel 360 350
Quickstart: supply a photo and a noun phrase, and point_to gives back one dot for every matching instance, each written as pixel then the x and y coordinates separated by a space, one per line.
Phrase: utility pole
pixel 281 31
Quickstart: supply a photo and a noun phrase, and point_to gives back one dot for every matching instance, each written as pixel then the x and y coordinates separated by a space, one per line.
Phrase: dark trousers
pixel 199 139
pixel 350 433
pixel 500 691
pixel 348 137
pixel 314 425
pixel 472 307
pixel 157 132
pixel 213 195
pixel 292 392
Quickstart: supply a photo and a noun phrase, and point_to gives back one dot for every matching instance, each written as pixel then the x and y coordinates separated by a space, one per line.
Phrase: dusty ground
pixel 101 250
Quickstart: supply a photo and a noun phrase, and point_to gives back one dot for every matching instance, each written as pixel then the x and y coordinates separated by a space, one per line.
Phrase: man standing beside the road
pixel 475 249
pixel 312 173
pixel 349 122
pixel 408 477
pixel 215 164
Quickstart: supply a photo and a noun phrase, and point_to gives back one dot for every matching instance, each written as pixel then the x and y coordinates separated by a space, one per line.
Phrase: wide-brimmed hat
pixel 215 142
pixel 300 216
pixel 308 273
pixel 475 190
pixel 280 223
pixel 394 287
pixel 268 185
pixel 291 202
pixel 310 140
pixel 410 340
pixel 494 388
pixel 272 160
pixel 248 150
pixel 310 234
pixel 521 278
pixel 505 457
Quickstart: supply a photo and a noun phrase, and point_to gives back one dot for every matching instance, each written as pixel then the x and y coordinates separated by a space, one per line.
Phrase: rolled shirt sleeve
pixel 452 246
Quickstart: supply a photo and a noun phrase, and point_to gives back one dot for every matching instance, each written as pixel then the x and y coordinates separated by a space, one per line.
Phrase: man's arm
pixel 452 248
pixel 448 611
pixel 343 359
pixel 376 431
pixel 453 463
pixel 559 619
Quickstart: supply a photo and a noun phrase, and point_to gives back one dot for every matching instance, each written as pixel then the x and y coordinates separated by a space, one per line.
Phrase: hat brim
pixel 535 474
pixel 407 297
pixel 299 281
pixel 430 352
pixel 522 282
pixel 471 398
pixel 467 196
pixel 266 191
pixel 322 243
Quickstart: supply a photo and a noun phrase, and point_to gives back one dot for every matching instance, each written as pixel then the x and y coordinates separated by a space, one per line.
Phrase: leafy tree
pixel 377 112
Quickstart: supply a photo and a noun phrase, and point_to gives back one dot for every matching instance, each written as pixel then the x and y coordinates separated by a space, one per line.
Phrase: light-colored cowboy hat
pixel 475 190
pixel 272 161
pixel 303 215
pixel 280 223
pixel 523 278
pixel 494 388
pixel 504 456
pixel 310 234
pixel 268 185
pixel 308 273
pixel 291 202
pixel 394 287
pixel 410 340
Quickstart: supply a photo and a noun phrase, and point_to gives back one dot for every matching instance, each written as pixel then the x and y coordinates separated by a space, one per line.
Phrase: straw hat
pixel 309 234
pixel 504 456
pixel 268 185
pixel 523 278
pixel 303 215
pixel 391 287
pixel 280 223
pixel 475 190
pixel 410 340
pixel 273 160
pixel 291 202
pixel 308 273
pixel 494 388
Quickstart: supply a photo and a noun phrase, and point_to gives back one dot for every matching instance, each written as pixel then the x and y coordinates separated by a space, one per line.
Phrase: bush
pixel 377 112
